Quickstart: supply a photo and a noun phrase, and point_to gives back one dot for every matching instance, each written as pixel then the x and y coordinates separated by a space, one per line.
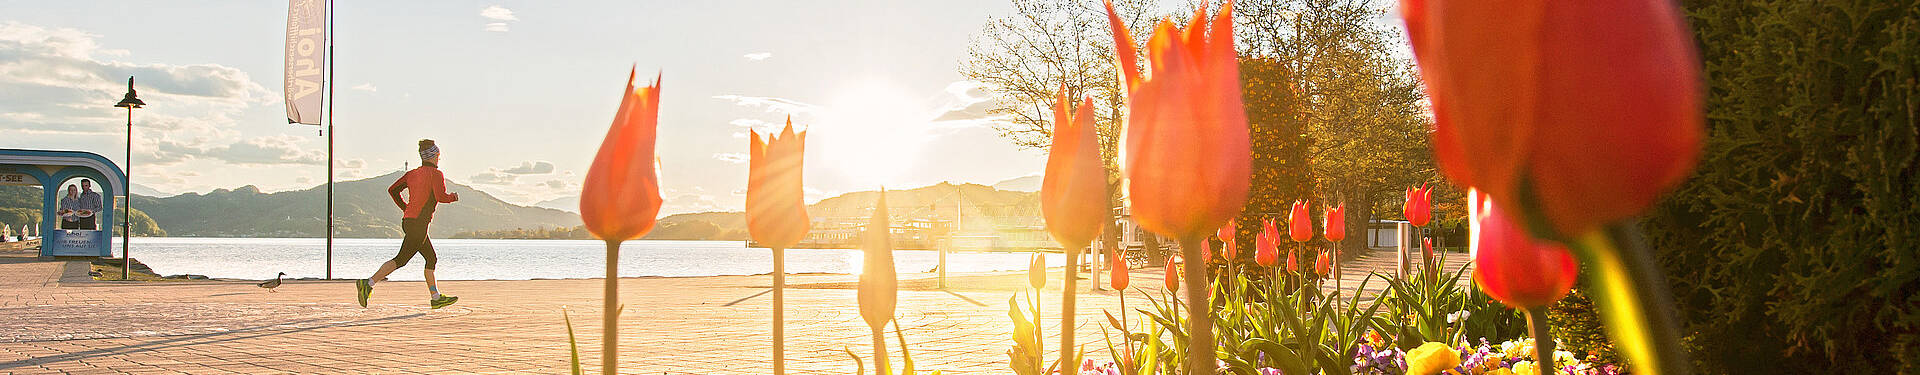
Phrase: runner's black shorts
pixel 415 241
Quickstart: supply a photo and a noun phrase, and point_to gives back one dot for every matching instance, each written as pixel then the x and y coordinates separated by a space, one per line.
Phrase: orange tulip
pixel 621 196
pixel 1187 155
pixel 1596 105
pixel 1118 276
pixel 1299 225
pixel 1336 223
pixel 1187 150
pixel 776 203
pixel 1226 235
pixel 1267 245
pixel 1419 205
pixel 1516 269
pixel 777 212
pixel 1073 193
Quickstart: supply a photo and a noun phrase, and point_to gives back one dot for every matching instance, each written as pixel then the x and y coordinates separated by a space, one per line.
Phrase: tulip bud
pixel 1299 226
pixel 1227 234
pixel 1037 272
pixel 1426 248
pixel 1267 245
pixel 1118 277
pixel 1267 252
pixel 1516 269
pixel 1336 225
pixel 879 285
pixel 1173 274
pixel 620 199
pixel 1293 261
pixel 1321 265
pixel 1073 192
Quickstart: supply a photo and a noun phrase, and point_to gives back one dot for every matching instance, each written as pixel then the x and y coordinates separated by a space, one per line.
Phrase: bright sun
pixel 871 131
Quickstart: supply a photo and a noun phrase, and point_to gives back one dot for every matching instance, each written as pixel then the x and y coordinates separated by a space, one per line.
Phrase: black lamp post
pixel 126 183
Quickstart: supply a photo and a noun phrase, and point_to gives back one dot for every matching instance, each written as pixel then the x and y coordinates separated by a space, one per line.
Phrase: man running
pixel 425 188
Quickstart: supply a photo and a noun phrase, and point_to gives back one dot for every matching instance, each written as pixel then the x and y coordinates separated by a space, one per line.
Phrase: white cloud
pixel 368 87
pixel 258 151
pixel 731 157
pixel 757 56
pixel 493 177
pixel 498 13
pixel 531 167
pixel 771 104
pixel 54 81
pixel 499 17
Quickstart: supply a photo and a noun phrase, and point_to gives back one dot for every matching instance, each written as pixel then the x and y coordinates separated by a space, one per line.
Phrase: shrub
pixel 1793 248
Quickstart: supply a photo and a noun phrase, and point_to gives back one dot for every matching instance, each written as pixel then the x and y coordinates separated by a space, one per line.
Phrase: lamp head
pixel 132 100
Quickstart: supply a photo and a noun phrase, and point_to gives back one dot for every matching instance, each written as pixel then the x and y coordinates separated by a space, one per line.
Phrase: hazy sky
pixel 517 93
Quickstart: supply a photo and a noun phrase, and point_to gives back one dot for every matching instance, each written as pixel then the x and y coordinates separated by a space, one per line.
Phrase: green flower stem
pixel 610 313
pixel 1200 348
pixel 1067 298
pixel 1542 333
pixel 779 311
pixel 1633 299
pixel 880 365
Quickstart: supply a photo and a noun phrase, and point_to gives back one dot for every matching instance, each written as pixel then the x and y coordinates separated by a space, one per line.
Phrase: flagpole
pixel 330 82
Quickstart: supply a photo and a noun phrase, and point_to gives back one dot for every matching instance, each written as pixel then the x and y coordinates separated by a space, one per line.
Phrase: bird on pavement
pixel 275 283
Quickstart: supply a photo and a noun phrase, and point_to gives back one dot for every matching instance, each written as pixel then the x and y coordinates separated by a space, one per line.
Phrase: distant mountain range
pixel 931 202
pixel 1029 183
pixel 361 209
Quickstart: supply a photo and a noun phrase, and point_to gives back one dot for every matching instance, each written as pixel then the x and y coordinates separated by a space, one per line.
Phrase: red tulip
pixel 1299 225
pixel 1593 106
pixel 1516 269
pixel 1173 274
pixel 776 200
pixel 1267 245
pixel 1118 277
pixel 1322 265
pixel 1336 224
pixel 1226 234
pixel 1293 261
pixel 621 196
pixel 1187 153
pixel 1073 193
pixel 1419 205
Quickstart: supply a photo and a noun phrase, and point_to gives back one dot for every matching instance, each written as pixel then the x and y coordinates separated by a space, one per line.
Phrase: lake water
pixel 473 259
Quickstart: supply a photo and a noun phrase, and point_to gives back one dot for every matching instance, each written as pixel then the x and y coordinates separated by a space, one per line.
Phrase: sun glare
pixel 873 131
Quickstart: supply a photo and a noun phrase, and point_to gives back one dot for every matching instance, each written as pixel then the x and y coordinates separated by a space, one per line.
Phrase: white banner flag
pixel 306 59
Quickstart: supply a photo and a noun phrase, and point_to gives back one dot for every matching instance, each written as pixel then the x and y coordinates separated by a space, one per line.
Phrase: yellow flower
pixel 1432 358
pixel 1502 371
pixel 1524 367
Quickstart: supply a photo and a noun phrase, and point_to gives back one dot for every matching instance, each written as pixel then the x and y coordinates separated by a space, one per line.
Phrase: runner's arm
pixel 394 192
pixel 440 191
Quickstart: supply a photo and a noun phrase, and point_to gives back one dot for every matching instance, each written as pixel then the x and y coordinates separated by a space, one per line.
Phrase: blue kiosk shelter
pixel 53 171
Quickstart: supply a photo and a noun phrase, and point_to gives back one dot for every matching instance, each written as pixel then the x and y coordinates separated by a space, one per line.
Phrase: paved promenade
pixel 54 319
